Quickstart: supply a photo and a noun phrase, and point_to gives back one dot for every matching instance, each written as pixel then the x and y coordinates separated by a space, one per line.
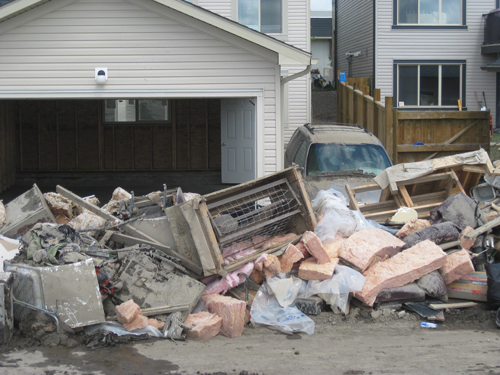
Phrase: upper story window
pixel 262 15
pixel 429 84
pixel 429 12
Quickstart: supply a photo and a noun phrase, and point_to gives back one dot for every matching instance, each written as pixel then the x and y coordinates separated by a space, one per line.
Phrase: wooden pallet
pixel 422 194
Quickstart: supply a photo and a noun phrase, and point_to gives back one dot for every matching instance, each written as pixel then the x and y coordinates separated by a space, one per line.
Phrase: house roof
pixel 321 27
pixel 288 54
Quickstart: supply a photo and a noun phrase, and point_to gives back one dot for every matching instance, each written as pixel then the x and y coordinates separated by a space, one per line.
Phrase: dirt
pixel 364 342
pixel 324 106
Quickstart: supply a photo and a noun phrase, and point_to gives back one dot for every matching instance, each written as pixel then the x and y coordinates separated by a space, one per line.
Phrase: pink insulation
pixel 403 268
pixel 231 310
pixel 363 248
pixel 315 247
pixel 206 325
pixel 412 226
pixel 310 269
pixel 464 242
pixel 456 266
pixel 289 257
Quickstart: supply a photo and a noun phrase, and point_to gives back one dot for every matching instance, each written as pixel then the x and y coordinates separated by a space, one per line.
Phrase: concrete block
pixel 311 305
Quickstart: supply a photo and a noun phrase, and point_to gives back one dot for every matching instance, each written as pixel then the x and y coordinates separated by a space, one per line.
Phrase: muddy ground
pixel 364 342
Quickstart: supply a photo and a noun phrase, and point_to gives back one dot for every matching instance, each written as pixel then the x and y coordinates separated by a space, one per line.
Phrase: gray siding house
pixel 147 85
pixel 426 54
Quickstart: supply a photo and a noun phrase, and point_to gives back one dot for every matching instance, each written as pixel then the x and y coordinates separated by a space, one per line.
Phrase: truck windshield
pixel 334 157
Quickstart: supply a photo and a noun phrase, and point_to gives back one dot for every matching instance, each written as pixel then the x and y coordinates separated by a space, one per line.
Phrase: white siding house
pixel 186 60
pixel 425 54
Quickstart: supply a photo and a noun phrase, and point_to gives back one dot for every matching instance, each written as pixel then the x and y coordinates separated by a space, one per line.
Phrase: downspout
pixel 296 75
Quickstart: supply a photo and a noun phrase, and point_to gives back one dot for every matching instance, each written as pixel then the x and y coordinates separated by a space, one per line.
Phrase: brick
pixel 272 266
pixel 139 322
pixel 231 310
pixel 289 257
pixel 310 269
pixel 311 305
pixel 206 325
pixel 456 265
pixel 315 247
pixel 127 311
pixel 155 323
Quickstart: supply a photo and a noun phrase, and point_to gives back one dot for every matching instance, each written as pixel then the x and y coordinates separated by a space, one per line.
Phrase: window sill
pixel 431 27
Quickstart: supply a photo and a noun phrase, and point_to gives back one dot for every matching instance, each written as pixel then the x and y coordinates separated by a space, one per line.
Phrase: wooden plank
pixel 442 306
pixel 437 115
pixel 353 204
pixel 365 188
pixel 475 168
pixel 96 210
pixel 405 196
pixel 490 225
pixel 438 147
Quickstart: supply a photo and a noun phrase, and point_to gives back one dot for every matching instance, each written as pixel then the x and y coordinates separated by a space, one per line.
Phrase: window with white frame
pixel 261 15
pixel 430 12
pixel 430 84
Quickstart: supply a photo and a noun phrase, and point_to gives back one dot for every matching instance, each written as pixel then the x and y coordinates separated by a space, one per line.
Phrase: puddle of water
pixel 124 360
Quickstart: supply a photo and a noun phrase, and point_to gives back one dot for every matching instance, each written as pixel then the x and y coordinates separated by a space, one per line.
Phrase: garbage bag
pixel 493 293
pixel 285 289
pixel 459 209
pixel 266 310
pixel 437 233
pixel 335 291
pixel 337 220
pixel 329 199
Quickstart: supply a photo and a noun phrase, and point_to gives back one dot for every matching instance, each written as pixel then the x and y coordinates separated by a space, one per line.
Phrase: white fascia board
pixel 12 9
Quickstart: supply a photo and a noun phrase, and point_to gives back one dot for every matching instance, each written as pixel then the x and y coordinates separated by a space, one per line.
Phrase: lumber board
pixel 96 210
pixel 483 228
pixel 442 306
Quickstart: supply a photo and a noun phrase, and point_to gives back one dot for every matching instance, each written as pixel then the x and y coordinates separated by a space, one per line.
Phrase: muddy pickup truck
pixel 335 155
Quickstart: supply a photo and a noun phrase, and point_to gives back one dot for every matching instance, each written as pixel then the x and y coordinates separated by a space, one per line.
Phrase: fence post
pixel 389 128
pixel 376 127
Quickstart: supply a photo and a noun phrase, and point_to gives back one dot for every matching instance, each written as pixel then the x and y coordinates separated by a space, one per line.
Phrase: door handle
pixel 223 143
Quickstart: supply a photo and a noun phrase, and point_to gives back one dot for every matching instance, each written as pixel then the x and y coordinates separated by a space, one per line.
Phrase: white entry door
pixel 238 140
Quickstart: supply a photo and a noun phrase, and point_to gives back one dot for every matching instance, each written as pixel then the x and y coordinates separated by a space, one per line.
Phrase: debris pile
pixel 176 265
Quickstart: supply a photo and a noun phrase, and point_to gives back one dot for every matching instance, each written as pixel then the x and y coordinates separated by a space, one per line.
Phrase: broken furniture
pixel 24 212
pixel 242 216
pixel 438 179
pixel 147 204
pixel 71 291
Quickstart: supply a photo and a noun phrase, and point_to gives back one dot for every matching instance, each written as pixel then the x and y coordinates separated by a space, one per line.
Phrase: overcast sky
pixel 321 4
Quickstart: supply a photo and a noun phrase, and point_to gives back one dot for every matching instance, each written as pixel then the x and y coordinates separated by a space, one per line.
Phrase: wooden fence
pixel 413 135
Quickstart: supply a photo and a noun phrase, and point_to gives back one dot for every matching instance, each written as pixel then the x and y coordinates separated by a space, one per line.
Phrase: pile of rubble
pixel 176 265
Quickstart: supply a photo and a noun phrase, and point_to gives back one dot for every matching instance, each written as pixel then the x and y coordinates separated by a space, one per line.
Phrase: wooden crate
pixel 275 204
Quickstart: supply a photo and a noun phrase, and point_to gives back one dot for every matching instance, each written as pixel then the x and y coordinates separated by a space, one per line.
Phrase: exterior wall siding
pixel 145 51
pixel 355 33
pixel 297 33
pixel 434 44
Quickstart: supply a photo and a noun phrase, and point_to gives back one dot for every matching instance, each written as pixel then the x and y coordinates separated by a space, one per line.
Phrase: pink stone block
pixel 231 310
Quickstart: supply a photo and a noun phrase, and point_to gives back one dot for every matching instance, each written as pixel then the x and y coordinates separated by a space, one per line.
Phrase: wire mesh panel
pixel 252 219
